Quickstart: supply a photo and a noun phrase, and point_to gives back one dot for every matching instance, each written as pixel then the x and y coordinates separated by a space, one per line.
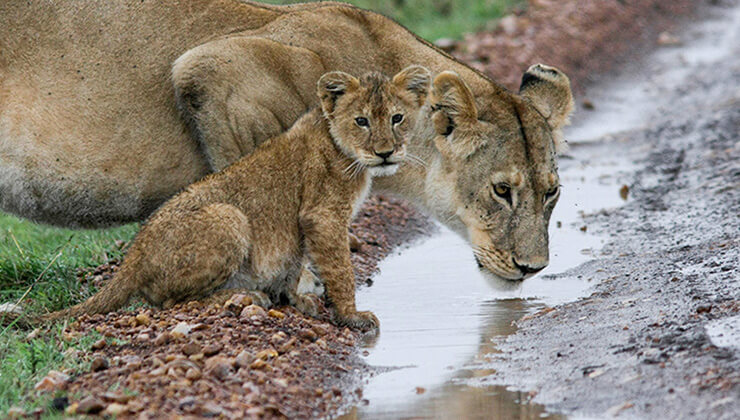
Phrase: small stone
pixel 114 409
pixel 11 308
pixel 98 345
pixel 182 329
pixel 117 397
pixel 54 380
pixel 143 319
pixel 193 374
pixel 99 363
pixel 273 313
pixel 267 354
pixel 237 302
pixel 191 348
pixel 220 367
pixel 307 334
pixel 287 346
pixel 212 349
pixel 258 364
pixel 420 390
pixel 90 405
pixel 244 359
pixel 278 338
pixel 253 311
pixel 162 339
pixel 588 105
pixel 624 192
pixel 320 330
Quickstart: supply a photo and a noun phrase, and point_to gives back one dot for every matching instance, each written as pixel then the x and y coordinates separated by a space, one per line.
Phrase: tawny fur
pixel 250 226
pixel 108 109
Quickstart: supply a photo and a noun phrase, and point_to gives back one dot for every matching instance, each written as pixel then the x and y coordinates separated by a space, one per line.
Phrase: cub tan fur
pixel 249 226
pixel 90 133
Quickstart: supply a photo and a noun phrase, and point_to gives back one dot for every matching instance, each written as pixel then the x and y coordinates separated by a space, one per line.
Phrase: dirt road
pixel 659 336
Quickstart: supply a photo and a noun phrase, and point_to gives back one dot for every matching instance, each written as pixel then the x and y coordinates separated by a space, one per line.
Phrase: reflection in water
pixel 440 318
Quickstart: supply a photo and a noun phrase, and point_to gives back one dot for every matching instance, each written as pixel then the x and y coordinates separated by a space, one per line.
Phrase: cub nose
pixel 527 269
pixel 384 155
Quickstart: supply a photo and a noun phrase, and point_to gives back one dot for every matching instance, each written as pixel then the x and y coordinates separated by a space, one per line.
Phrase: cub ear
pixel 548 90
pixel 331 86
pixel 453 103
pixel 415 79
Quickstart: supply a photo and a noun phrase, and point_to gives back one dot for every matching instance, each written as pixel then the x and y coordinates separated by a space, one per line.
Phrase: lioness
pixel 249 226
pixel 91 134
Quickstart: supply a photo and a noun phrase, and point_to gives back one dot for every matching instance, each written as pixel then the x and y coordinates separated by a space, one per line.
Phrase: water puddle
pixel 440 317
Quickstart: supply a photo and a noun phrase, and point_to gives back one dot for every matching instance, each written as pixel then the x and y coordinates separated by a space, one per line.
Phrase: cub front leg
pixel 328 247
pixel 239 91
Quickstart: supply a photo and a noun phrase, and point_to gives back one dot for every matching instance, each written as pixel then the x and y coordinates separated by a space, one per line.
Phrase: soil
pixel 211 370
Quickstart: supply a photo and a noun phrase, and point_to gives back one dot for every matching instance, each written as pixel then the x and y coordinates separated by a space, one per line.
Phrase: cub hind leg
pixel 190 256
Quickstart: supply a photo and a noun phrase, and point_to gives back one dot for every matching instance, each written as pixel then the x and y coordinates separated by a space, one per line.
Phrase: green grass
pixel 39 264
pixel 435 19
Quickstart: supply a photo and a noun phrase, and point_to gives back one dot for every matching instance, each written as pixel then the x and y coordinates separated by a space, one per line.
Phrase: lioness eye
pixel 397 118
pixel 362 121
pixel 503 191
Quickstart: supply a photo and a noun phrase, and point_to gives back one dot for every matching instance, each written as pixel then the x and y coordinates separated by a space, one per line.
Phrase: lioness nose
pixel 384 155
pixel 527 269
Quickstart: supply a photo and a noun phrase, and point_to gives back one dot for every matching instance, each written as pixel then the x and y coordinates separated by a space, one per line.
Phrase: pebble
pixel 117 397
pixel 162 339
pixel 98 345
pixel 193 374
pixel 143 319
pixel 99 363
pixel 182 329
pixel 90 405
pixel 253 311
pixel 237 302
pixel 244 359
pixel 191 348
pixel 212 349
pixel 273 313
pixel 307 334
pixel 114 409
pixel 54 380
pixel 267 354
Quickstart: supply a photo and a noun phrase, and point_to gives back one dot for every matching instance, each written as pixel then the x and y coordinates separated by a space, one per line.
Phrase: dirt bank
pixel 657 338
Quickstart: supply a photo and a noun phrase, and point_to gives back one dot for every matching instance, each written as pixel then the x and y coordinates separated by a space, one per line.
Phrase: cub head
pixel 370 118
pixel 496 170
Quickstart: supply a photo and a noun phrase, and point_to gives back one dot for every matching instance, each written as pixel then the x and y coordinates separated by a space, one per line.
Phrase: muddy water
pixel 441 317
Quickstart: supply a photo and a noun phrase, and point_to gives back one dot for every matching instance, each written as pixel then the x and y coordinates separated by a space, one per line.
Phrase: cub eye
pixel 397 118
pixel 503 191
pixel 552 192
pixel 362 121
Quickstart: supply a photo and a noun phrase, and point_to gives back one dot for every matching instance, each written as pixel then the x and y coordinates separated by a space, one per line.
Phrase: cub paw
pixel 364 321
pixel 308 304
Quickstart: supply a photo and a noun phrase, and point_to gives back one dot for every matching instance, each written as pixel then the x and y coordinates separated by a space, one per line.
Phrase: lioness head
pixel 496 169
pixel 371 117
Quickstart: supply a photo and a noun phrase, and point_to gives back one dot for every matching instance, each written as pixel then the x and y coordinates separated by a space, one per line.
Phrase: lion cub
pixel 250 226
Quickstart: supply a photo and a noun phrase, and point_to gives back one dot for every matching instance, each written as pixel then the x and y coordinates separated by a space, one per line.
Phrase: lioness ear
pixel 415 79
pixel 548 90
pixel 453 103
pixel 331 86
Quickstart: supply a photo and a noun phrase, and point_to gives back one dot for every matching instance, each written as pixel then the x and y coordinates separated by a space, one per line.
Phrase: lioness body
pixel 251 226
pixel 91 134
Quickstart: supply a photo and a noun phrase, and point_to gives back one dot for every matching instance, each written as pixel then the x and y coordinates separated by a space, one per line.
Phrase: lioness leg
pixel 190 256
pixel 229 91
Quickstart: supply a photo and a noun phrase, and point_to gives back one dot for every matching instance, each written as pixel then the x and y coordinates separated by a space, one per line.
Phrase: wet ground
pixel 637 314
